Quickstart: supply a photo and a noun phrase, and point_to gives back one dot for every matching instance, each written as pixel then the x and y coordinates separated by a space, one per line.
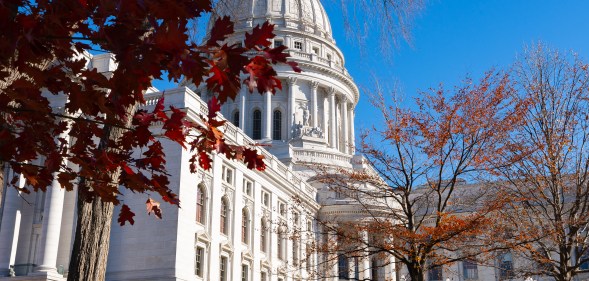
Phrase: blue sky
pixel 453 38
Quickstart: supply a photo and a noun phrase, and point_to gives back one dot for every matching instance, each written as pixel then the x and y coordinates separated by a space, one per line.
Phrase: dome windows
pixel 298 45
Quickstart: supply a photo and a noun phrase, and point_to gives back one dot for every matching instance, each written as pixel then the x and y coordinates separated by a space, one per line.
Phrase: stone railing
pixel 323 157
pixel 186 99
pixel 298 55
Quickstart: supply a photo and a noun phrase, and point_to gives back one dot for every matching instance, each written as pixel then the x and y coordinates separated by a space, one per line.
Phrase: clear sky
pixel 453 38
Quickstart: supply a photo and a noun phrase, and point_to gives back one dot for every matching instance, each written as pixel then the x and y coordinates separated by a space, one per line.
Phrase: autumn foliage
pixel 41 55
pixel 417 188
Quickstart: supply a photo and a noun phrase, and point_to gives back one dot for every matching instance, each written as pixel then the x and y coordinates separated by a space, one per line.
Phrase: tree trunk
pixel 92 238
pixel 2 170
pixel 415 272
pixel 91 242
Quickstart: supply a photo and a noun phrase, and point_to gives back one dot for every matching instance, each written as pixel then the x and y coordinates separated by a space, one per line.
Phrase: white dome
pixel 304 15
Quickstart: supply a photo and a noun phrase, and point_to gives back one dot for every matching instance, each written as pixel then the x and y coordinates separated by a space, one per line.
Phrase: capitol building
pixel 234 223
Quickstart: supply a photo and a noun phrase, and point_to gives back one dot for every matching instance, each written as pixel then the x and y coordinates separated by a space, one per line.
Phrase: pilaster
pixel 314 86
pixel 344 106
pixel 291 105
pixel 332 121
pixel 267 128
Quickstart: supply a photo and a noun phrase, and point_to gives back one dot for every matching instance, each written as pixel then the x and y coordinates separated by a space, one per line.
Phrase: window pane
pixel 224 213
pixel 200 205
pixel 374 269
pixel 506 266
pixel 198 261
pixel 277 125
pixel 244 226
pixel 435 273
pixel 263 237
pixel 223 269
pixel 236 118
pixel 470 270
pixel 244 273
pixel 343 267
pixel 257 125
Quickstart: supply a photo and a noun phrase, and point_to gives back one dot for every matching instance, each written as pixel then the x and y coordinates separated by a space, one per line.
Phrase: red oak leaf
pixel 204 160
pixel 221 29
pixel 262 76
pixel 214 107
pixel 153 206
pixel 260 36
pixel 253 160
pixel 126 215
pixel 276 54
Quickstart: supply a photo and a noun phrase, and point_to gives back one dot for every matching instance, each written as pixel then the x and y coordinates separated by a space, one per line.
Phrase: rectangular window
pixel 470 270
pixel 282 208
pixel 298 45
pixel 316 50
pixel 263 237
pixel 584 259
pixel 343 267
pixel 435 273
pixel 295 252
pixel 248 187
pixel 227 175
pixel 244 272
pixel 506 266
pixel 278 43
pixel 198 263
pixel 263 276
pixel 374 272
pixel 279 246
pixel 223 269
pixel 266 199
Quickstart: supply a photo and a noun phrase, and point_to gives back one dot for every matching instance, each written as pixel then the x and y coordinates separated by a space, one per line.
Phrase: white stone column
pixel 314 109
pixel 51 228
pixel 345 124
pixel 291 106
pixel 242 109
pixel 10 227
pixel 332 121
pixel 365 271
pixel 237 216
pixel 217 192
pixel 326 133
pixel 256 224
pixel 67 229
pixel 352 135
pixel 334 257
pixel 267 128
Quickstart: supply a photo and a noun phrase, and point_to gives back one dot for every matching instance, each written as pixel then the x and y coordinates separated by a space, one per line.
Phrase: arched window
pixel 245 226
pixel 224 216
pixel 235 119
pixel 200 204
pixel 277 125
pixel 257 126
pixel 263 236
